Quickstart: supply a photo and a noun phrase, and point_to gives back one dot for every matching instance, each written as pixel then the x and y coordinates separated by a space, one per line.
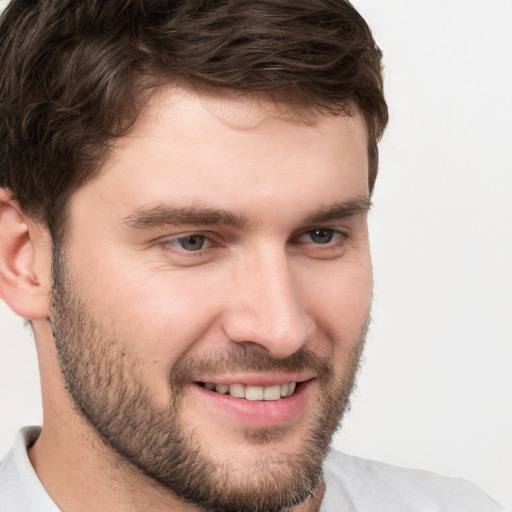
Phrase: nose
pixel 266 305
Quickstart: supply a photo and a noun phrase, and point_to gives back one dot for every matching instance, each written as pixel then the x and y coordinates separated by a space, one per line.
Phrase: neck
pixel 81 474
pixel 312 504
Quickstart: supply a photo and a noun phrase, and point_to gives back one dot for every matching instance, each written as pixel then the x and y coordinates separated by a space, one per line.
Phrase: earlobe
pixel 23 280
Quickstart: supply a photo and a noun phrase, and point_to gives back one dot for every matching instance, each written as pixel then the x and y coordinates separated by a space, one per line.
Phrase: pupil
pixel 322 236
pixel 193 242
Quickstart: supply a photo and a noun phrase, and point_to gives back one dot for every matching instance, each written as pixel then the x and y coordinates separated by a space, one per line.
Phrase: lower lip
pixel 259 413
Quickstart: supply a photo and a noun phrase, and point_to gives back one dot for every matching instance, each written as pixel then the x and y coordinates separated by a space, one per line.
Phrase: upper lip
pixel 257 379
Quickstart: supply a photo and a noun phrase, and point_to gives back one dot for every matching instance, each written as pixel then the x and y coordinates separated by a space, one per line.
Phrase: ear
pixel 25 261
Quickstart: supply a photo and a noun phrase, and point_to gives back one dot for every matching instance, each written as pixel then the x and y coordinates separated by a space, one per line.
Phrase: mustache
pixel 242 360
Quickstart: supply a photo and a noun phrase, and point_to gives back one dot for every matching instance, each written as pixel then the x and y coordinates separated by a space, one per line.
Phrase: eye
pixel 192 248
pixel 190 242
pixel 319 236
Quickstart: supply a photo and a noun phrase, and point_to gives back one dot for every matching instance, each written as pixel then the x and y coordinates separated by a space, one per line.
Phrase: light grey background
pixel 436 389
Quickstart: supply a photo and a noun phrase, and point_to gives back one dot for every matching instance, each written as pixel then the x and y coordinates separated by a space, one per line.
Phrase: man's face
pixel 211 299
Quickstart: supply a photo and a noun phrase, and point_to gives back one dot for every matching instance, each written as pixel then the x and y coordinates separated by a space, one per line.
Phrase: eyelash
pixel 205 239
pixel 172 244
pixel 339 236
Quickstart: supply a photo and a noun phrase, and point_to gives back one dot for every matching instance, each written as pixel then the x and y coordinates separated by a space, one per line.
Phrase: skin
pixel 263 285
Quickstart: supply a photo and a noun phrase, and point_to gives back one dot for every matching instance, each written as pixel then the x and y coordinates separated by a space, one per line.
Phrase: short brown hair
pixel 73 73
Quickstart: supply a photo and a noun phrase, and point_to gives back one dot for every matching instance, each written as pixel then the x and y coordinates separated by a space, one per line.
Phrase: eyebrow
pixel 340 210
pixel 163 214
pixel 170 215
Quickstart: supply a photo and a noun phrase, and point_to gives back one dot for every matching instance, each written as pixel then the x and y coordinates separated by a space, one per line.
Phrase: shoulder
pixel 20 488
pixel 371 485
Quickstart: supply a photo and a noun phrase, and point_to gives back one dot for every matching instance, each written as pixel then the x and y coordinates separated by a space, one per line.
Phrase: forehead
pixel 231 148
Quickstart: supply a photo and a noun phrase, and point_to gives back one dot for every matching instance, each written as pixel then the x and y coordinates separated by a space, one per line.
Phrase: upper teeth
pixel 254 392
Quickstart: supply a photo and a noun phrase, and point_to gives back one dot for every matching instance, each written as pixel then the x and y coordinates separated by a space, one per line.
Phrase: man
pixel 183 222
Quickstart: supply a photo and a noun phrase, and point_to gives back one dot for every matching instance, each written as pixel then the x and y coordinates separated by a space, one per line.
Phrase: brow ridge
pixel 172 215
pixel 163 214
pixel 340 210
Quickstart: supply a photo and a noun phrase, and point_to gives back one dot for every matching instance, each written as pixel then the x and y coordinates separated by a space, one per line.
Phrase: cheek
pixel 156 317
pixel 163 315
pixel 340 304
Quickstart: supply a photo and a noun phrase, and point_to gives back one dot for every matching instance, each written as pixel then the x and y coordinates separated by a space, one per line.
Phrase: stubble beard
pixel 106 386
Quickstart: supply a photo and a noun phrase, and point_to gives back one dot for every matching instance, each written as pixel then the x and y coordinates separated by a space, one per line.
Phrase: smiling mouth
pixel 253 393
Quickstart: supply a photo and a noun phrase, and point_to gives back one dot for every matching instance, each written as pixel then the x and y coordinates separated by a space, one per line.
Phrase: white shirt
pixel 352 485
